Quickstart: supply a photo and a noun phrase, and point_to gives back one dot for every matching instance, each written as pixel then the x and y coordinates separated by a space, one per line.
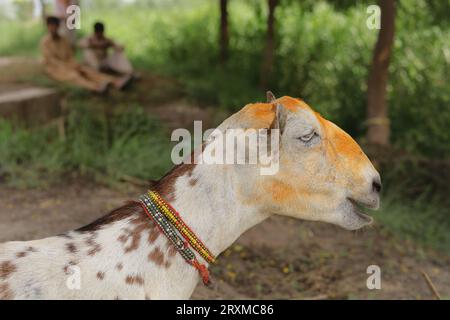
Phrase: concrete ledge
pixel 30 106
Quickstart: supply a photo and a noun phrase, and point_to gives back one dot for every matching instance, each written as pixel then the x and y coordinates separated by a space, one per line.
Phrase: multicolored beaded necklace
pixel 177 231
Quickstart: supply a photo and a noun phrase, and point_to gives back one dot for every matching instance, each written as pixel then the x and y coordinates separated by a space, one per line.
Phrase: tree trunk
pixel 377 109
pixel 268 57
pixel 224 35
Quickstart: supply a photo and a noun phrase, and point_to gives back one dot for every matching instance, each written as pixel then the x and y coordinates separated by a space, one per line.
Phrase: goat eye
pixel 307 137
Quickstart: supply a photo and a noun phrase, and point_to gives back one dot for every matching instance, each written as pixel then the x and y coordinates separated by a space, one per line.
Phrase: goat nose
pixel 376 185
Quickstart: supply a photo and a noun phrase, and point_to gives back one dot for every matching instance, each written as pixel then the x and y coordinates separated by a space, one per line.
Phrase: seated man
pixel 60 64
pixel 96 53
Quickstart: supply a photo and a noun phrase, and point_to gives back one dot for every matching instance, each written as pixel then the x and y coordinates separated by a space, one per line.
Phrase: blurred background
pixel 67 156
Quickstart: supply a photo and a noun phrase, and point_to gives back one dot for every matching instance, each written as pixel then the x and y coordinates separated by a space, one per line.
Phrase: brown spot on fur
pixel 134 280
pixel 156 256
pixel 5 292
pixel 153 235
pixel 6 269
pixel 119 266
pixel 94 250
pixel 172 251
pixel 21 254
pixel 139 219
pixel 71 248
pixel 147 297
pixel 138 225
pixel 32 249
pixel 66 267
pixel 94 247
pixel 100 275
pixel 122 238
pixel 166 185
pixel 135 233
pixel 133 209
pixel 192 182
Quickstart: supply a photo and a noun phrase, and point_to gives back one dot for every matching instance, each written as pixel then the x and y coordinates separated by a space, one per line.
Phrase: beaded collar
pixel 179 234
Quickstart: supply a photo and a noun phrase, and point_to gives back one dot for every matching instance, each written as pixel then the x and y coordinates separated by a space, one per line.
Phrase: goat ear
pixel 280 117
pixel 280 112
pixel 270 97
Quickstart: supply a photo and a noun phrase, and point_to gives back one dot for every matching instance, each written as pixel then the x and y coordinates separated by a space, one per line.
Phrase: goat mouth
pixel 359 209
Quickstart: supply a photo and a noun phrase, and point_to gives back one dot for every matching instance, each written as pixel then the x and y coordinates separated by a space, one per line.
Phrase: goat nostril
pixel 376 186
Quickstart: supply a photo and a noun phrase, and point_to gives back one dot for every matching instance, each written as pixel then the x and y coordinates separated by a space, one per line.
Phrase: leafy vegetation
pixel 324 63
pixel 106 148
pixel 421 220
pixel 323 54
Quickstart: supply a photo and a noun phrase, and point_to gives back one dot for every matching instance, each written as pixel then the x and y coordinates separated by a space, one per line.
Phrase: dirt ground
pixel 281 258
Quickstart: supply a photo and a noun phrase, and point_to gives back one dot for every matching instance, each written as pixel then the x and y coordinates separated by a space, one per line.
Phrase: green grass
pixel 130 143
pixel 421 220
pixel 20 38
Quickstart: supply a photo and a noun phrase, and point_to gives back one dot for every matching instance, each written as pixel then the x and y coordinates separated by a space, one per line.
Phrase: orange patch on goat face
pixel 347 146
pixel 344 152
pixel 279 190
pixel 343 143
pixel 262 115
